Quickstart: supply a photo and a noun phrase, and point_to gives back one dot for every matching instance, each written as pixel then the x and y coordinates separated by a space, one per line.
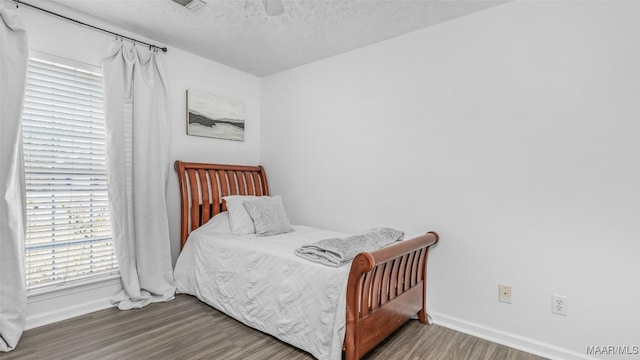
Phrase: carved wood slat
pixel 412 274
pixel 206 204
pixel 401 270
pixel 222 175
pixel 263 181
pixel 236 180
pixel 376 288
pixel 246 177
pixel 366 292
pixel 232 181
pixel 370 291
pixel 224 182
pixel 250 185
pixel 421 265
pixel 414 271
pixel 393 284
pixel 242 187
pixel 256 180
pixel 386 283
pixel 195 200
pixel 407 272
pixel 215 192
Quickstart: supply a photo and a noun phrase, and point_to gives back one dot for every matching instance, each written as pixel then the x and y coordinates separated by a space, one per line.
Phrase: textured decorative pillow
pixel 219 223
pixel 239 219
pixel 269 217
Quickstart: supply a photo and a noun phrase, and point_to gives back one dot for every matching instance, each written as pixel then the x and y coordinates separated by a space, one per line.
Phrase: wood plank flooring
pixel 188 329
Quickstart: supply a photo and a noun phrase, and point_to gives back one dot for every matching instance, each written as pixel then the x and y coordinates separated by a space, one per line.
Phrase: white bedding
pixel 262 283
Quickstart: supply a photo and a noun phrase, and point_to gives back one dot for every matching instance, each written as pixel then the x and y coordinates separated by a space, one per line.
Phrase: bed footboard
pixel 385 289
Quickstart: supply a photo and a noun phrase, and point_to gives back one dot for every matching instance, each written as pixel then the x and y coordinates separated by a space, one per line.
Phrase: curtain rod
pixel 19 2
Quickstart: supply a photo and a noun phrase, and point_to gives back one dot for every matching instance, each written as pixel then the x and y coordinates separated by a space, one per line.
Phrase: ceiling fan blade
pixel 273 7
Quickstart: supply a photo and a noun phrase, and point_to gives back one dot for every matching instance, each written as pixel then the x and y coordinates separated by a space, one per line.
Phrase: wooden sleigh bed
pixel 385 288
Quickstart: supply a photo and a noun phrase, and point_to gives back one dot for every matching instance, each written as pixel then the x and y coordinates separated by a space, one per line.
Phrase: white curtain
pixel 14 57
pixel 138 136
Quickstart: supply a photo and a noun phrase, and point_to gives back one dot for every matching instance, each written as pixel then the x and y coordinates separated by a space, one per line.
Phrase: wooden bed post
pixel 184 203
pixel 422 314
pixel 361 264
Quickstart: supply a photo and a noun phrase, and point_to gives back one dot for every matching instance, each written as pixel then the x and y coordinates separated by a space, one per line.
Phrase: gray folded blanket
pixel 339 251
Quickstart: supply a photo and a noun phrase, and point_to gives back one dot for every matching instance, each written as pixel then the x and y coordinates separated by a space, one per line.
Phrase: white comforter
pixel 262 283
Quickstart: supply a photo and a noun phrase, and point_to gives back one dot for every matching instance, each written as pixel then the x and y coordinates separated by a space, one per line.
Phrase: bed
pixel 300 302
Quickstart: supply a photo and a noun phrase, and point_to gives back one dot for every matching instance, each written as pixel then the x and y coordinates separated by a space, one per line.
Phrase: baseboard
pixel 52 307
pixel 529 345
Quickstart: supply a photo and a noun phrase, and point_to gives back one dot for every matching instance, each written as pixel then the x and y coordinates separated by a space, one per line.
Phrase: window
pixel 68 227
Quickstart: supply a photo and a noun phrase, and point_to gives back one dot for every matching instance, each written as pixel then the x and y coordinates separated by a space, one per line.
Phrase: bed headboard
pixel 202 187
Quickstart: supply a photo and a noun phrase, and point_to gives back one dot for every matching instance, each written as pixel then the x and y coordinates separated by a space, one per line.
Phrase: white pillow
pixel 219 223
pixel 239 219
pixel 268 216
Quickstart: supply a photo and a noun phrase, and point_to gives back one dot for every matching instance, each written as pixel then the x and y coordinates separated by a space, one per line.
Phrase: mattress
pixel 262 283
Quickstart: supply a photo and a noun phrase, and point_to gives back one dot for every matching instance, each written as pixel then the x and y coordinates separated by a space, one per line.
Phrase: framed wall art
pixel 215 116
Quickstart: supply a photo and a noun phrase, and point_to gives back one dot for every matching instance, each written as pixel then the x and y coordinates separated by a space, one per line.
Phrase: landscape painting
pixel 215 116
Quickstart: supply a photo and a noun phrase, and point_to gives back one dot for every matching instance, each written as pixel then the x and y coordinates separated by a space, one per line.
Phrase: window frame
pixel 93 281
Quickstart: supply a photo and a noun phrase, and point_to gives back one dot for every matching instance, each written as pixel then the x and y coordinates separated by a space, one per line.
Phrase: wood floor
pixel 188 329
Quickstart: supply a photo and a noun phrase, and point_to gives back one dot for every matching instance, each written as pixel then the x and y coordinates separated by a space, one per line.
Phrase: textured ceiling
pixel 238 33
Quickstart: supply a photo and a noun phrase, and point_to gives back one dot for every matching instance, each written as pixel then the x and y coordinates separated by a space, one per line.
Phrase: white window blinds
pixel 68 228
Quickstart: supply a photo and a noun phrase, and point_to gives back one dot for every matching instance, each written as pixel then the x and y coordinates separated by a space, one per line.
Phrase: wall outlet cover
pixel 559 304
pixel 504 293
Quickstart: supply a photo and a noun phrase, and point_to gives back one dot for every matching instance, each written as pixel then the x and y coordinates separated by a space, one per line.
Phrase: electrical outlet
pixel 559 304
pixel 504 293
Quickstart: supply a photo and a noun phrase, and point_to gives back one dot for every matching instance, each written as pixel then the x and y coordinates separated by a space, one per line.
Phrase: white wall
pixel 514 132
pixel 184 71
